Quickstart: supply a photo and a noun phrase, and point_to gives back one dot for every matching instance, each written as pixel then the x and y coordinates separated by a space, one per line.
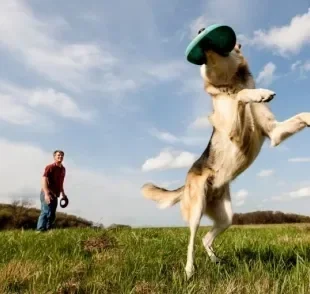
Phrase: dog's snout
pixel 237 46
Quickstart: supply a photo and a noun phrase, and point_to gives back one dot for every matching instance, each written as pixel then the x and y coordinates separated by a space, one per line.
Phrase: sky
pixel 108 83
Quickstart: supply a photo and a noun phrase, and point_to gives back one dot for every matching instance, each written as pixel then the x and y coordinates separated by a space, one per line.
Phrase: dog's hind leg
pixel 193 209
pixel 279 131
pixel 219 209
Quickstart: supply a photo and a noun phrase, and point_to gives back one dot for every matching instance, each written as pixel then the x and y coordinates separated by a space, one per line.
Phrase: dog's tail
pixel 165 198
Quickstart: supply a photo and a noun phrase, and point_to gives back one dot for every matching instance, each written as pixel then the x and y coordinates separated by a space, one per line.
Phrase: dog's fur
pixel 241 121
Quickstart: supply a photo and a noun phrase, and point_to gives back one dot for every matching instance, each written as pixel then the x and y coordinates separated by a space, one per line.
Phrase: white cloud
pixel 164 136
pixel 166 71
pixel 302 67
pixel 286 39
pixel 241 196
pixel 76 66
pixel 172 139
pixel 278 198
pixel 281 183
pixel 198 23
pixel 14 112
pixel 295 65
pixel 201 122
pixel 222 11
pixel 169 159
pixel 265 173
pixel 240 203
pixel 300 193
pixel 306 65
pixel 58 102
pixel 267 75
pixel 194 85
pixel 24 106
pixel 299 159
pixel 35 42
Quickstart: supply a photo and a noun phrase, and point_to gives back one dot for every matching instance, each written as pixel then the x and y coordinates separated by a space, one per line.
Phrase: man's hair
pixel 58 151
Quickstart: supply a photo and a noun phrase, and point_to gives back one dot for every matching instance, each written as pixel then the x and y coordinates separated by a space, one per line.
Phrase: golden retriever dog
pixel 241 121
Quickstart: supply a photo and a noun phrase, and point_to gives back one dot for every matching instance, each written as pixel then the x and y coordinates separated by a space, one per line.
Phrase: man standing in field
pixel 52 187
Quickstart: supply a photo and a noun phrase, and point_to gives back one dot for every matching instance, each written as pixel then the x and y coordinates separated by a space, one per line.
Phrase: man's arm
pixel 44 183
pixel 63 192
pixel 45 189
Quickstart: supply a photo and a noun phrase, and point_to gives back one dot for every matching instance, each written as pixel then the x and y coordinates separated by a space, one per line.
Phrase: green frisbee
pixel 220 38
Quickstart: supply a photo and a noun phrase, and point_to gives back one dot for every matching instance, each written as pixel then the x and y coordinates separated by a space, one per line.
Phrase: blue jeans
pixel 48 213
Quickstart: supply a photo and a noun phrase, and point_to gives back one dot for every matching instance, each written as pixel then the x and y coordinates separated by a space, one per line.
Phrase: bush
pixel 20 215
pixel 268 217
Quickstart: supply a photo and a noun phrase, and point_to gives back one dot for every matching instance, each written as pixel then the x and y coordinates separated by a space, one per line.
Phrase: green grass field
pixel 257 259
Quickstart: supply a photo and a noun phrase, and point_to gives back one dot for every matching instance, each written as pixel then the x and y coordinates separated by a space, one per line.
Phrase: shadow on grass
pixel 272 257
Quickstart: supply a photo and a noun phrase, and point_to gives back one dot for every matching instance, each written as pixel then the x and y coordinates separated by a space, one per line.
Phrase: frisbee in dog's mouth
pixel 220 38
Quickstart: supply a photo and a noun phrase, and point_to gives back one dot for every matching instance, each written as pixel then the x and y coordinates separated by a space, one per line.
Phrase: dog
pixel 241 121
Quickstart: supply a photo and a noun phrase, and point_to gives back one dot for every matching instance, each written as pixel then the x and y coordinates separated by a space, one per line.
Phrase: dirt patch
pixel 70 287
pixel 99 243
pixel 144 287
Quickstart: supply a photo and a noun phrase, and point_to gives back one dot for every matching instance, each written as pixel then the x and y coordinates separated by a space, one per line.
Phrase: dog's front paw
pixel 305 116
pixel 266 95
pixel 256 95
pixel 263 95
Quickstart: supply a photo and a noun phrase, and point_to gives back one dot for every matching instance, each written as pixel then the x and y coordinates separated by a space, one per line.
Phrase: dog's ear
pixel 203 71
pixel 201 30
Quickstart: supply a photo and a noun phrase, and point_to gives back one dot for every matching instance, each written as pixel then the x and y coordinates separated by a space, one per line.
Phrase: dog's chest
pixel 224 108
pixel 225 113
pixel 239 136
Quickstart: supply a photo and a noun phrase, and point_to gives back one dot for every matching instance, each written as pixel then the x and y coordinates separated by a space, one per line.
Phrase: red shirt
pixel 55 175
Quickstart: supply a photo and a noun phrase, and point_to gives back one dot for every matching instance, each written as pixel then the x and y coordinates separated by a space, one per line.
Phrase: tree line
pixel 268 217
pixel 21 215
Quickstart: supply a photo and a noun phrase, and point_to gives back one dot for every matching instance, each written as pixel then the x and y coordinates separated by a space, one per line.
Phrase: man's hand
pixel 63 195
pixel 47 197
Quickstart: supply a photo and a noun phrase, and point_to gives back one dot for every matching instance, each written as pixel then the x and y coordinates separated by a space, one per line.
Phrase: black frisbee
pixel 64 202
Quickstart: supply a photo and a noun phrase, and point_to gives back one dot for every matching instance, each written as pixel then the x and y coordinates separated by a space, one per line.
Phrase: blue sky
pixel 109 84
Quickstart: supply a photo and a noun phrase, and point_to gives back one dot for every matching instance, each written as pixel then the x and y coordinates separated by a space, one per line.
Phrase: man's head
pixel 58 156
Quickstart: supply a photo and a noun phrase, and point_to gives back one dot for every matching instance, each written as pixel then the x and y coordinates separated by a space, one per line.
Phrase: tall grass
pixel 256 259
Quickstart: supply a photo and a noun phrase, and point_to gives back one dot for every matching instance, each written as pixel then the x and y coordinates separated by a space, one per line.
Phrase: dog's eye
pixel 239 46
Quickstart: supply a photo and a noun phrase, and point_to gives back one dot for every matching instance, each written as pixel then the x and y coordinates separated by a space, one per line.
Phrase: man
pixel 52 188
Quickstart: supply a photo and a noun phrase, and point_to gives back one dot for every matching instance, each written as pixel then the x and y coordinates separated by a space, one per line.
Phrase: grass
pixel 257 259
